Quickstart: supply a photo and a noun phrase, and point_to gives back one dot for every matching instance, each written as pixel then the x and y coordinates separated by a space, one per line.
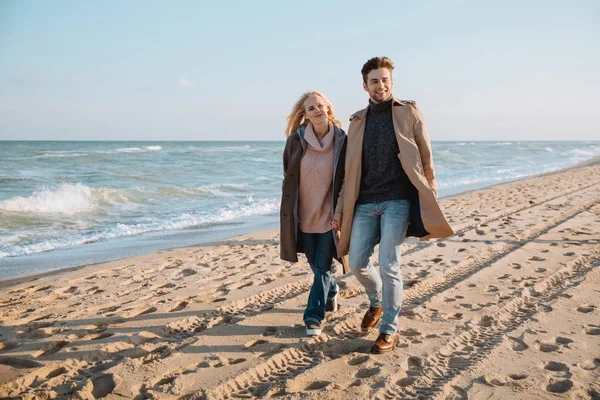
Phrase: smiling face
pixel 315 110
pixel 379 84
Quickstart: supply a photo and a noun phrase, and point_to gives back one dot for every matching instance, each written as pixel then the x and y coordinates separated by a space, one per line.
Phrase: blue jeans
pixel 386 223
pixel 319 249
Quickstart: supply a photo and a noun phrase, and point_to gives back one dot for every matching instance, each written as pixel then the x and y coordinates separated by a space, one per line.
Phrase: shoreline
pixel 34 277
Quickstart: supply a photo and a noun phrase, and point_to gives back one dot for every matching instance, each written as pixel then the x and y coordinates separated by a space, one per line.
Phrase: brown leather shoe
pixel 384 343
pixel 371 318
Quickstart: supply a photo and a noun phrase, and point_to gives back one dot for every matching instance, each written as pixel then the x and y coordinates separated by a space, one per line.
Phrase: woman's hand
pixel 336 223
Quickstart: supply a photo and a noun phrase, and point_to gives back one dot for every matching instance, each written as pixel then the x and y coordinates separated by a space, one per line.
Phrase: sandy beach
pixel 507 308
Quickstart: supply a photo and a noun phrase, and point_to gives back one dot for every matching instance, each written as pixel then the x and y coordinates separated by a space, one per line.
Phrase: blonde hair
pixel 296 117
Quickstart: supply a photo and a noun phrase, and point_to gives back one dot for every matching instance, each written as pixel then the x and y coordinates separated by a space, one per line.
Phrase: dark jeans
pixel 319 249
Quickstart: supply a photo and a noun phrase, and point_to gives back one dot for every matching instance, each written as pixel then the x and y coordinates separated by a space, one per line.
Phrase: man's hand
pixel 336 223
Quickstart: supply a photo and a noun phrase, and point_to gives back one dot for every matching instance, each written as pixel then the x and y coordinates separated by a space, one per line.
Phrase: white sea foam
pixel 129 150
pixel 138 149
pixel 578 152
pixel 67 198
pixel 61 153
pixel 231 212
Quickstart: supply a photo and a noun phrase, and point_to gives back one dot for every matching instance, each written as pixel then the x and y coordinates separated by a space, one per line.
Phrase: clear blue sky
pixel 196 70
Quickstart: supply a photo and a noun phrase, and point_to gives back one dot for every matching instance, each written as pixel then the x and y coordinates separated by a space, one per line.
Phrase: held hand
pixel 336 223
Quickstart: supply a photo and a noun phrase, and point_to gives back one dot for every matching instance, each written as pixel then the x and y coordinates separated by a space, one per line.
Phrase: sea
pixel 65 204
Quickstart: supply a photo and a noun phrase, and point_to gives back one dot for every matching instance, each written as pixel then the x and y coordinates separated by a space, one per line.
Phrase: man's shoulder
pixel 405 103
pixel 360 114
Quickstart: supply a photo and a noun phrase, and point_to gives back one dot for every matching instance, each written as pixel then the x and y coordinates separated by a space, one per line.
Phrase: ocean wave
pixel 49 155
pixel 231 212
pixel 129 150
pixel 578 152
pixel 216 190
pixel 66 198
pixel 138 149
pixel 226 149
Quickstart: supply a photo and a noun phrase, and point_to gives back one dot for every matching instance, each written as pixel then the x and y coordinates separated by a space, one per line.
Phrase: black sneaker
pixel 313 328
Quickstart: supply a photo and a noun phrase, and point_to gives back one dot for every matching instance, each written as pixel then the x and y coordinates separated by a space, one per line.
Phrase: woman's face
pixel 315 110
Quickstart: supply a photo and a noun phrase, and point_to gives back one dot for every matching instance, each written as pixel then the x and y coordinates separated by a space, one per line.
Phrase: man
pixel 389 193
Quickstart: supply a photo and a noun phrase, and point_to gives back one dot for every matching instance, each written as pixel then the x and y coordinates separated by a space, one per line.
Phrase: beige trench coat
pixel 416 159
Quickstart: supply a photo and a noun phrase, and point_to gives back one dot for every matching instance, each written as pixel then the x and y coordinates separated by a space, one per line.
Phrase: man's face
pixel 379 84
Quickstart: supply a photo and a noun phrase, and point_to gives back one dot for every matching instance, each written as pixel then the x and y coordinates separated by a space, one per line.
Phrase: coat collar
pixel 337 131
pixel 361 114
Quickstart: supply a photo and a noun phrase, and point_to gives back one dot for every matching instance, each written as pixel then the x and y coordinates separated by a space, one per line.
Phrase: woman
pixel 313 166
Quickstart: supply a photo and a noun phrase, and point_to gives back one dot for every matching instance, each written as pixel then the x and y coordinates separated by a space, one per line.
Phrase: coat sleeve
pixel 424 145
pixel 286 155
pixel 339 207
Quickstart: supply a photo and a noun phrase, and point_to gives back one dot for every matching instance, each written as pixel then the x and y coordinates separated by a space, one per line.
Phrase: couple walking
pixel 377 185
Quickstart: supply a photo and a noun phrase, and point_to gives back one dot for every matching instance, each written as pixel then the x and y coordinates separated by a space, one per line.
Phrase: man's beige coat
pixel 427 220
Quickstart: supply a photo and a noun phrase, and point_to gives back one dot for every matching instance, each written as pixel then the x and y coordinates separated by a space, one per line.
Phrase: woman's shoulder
pixel 338 130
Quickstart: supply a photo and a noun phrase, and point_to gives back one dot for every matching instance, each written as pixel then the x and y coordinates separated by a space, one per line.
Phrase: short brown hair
pixel 376 63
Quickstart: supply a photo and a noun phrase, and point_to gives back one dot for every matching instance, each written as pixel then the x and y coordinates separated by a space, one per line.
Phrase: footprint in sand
pixel 269 331
pixel 253 343
pixel 182 305
pixel 556 366
pixel 592 330
pixel 452 316
pixel 168 380
pixel 188 272
pixel 133 313
pixel 590 365
pixel 167 286
pixel 517 344
pixel 547 347
pixel 212 362
pixel 219 299
pixel 103 385
pixel 367 372
pixel 414 364
pixel 496 380
pixel 51 348
pixel 564 341
pixel 586 308
pixel 559 385
pixel 266 281
pixel 299 385
pixel 411 332
pixel 358 360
